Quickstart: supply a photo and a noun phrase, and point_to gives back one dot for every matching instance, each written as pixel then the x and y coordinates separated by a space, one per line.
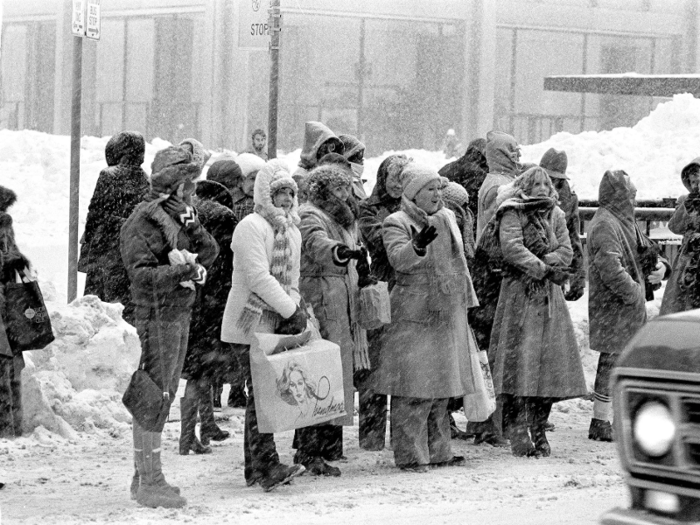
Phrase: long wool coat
pixel 252 244
pixel 533 348
pixel 424 354
pixel 686 223
pixel 117 192
pixel 616 304
pixel 324 285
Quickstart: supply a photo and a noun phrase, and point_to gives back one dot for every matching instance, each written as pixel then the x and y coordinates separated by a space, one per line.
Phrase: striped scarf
pixel 280 267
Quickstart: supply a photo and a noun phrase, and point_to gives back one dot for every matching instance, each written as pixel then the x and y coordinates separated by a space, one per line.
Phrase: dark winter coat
pixel 144 251
pixel 568 202
pixel 683 287
pixel 373 211
pixel 469 171
pixel 533 347
pixel 118 190
pixel 616 304
pixel 206 353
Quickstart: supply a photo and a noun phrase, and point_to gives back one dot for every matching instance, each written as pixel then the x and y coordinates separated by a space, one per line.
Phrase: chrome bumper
pixel 618 516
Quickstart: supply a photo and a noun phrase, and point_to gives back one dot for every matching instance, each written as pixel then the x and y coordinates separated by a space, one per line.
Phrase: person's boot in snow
pixel 520 443
pixel 537 418
pixel 209 430
pixel 188 422
pixel 136 481
pixel 318 467
pixel 600 430
pixel 280 474
pixel 153 491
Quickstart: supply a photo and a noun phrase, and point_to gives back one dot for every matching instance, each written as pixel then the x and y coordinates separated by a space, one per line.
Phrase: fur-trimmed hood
pixel 272 177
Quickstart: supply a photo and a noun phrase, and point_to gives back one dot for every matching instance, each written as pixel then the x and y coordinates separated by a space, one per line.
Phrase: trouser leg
pixel 7 426
pixel 409 423
pixel 439 435
pixel 602 399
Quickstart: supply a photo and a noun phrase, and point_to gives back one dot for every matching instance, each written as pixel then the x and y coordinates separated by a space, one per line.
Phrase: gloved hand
pixel 575 293
pixel 422 239
pixel 15 260
pixel 344 253
pixel 364 273
pixel 180 210
pixel 657 275
pixel 294 324
pixel 692 202
pixel 557 274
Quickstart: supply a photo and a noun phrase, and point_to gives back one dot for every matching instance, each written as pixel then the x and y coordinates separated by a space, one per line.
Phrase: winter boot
pixel 188 422
pixel 279 475
pixel 209 429
pixel 538 414
pixel 153 490
pixel 136 481
pixel 318 467
pixel 600 430
pixel 520 443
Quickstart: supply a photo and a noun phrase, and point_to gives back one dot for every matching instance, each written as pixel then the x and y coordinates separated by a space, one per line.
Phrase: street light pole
pixel 275 29
pixel 74 200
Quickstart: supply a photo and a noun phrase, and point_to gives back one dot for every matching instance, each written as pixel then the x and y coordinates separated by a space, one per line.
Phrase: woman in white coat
pixel 265 298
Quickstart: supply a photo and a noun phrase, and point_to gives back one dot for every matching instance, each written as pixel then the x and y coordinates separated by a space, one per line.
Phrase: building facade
pixel 397 73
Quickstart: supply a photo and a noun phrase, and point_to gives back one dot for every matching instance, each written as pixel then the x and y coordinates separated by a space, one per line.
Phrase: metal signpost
pixel 259 26
pixel 85 21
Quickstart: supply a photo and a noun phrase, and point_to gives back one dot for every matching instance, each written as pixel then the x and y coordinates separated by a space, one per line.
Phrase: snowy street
pixel 88 481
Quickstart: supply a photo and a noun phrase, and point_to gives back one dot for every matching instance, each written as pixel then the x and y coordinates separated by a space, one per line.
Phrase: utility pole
pixel 274 25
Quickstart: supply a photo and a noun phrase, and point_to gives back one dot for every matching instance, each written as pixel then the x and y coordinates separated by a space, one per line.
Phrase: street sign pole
pixel 74 201
pixel 275 29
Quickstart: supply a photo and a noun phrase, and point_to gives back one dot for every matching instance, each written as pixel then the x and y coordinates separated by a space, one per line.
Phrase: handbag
pixel 27 322
pixel 481 403
pixel 148 403
pixel 375 306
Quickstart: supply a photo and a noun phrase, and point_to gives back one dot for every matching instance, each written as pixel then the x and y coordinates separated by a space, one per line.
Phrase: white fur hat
pixel 249 163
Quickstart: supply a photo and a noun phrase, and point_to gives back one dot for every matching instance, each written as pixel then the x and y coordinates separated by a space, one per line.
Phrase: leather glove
pixel 558 275
pixel 575 293
pixel 344 253
pixel 364 272
pixel 422 239
pixel 294 324
pixel 177 208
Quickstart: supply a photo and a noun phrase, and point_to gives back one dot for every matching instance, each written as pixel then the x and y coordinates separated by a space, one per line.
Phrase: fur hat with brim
pixel 130 144
pixel 271 178
pixel 249 163
pixel 226 172
pixel 415 177
pixel 324 178
pixel 171 167
pixel 555 163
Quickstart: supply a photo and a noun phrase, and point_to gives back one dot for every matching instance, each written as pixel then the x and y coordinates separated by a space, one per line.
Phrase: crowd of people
pixel 482 255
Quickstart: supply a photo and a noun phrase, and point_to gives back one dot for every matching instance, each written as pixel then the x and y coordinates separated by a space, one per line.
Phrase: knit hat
pixel 125 143
pixel 352 145
pixel 273 176
pixel 455 194
pixel 415 176
pixel 325 177
pixel 555 162
pixel 226 172
pixel 200 155
pixel 171 167
pixel 249 163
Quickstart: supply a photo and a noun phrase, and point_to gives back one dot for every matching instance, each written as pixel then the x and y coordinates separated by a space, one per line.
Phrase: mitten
pixel 422 239
pixel 294 324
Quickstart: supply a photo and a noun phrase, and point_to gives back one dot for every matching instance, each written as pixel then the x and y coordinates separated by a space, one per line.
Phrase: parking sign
pixel 93 22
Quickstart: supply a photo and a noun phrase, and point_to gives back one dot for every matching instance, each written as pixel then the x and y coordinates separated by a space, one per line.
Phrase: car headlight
pixel 654 429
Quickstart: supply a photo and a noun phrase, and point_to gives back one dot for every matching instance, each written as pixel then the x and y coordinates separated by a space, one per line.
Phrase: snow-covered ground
pixel 77 444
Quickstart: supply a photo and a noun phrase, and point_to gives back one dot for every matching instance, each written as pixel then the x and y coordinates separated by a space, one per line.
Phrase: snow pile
pixel 75 383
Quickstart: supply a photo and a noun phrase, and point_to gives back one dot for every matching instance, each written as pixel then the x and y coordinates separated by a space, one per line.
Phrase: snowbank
pixel 75 383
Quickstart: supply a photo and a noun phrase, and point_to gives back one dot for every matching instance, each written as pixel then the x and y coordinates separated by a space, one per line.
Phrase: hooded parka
pixel 681 294
pixel 616 304
pixel 315 134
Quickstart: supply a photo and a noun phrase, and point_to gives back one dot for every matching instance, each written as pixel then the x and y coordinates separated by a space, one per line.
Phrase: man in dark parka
pixel 120 187
pixel 469 171
pixel 166 252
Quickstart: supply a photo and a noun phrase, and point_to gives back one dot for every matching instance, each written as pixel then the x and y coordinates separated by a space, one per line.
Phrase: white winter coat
pixel 252 253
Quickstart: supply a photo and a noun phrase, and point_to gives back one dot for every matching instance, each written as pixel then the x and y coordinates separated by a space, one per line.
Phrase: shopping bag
pixel 298 386
pixel 375 306
pixel 481 403
pixel 27 322
pixel 146 402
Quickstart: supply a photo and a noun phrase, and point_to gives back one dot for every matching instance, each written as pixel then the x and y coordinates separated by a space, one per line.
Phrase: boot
pixel 136 481
pixel 153 490
pixel 600 430
pixel 280 474
pixel 209 429
pixel 188 422
pixel 520 443
pixel 318 467
pixel 537 419
pixel 456 433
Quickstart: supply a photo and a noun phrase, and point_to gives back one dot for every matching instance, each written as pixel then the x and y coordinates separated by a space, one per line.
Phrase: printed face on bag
pixel 283 198
pixel 297 386
pixel 296 389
